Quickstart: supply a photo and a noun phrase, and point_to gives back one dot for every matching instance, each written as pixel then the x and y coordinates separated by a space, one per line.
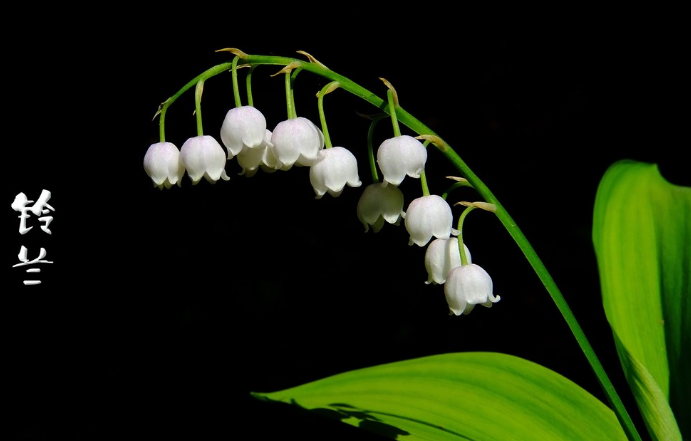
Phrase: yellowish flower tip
pixel 332 86
pixel 388 85
pixel 312 59
pixel 234 51
pixel 434 140
pixel 481 205
pixel 288 68
pixel 457 179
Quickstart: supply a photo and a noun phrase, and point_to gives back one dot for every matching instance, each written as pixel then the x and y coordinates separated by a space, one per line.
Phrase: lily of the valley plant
pixel 637 213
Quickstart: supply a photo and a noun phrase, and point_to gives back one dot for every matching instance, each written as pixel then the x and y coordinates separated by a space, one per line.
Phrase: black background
pixel 162 310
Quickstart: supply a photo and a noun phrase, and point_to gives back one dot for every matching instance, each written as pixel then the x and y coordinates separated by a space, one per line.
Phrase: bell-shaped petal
pixel 380 203
pixel 203 157
pixel 297 141
pixel 333 169
pixel 243 128
pixel 428 216
pixel 441 256
pixel 162 164
pixel 467 286
pixel 400 156
pixel 258 157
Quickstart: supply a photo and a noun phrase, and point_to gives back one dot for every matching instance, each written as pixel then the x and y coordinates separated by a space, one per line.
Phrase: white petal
pixel 468 285
pixel 428 216
pixel 296 141
pixel 333 169
pixel 400 156
pixel 379 203
pixel 162 164
pixel 203 156
pixel 441 256
pixel 243 128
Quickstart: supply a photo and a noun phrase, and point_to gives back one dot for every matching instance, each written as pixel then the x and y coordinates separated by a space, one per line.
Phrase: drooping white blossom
pixel 297 141
pixel 427 217
pixel 243 128
pixel 380 203
pixel 400 156
pixel 441 256
pixel 332 170
pixel 203 157
pixel 258 157
pixel 467 286
pixel 162 164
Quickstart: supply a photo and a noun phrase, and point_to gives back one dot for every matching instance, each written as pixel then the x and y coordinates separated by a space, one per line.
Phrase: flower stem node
pixel 441 257
pixel 429 216
pixel 467 286
pixel 380 203
pixel 203 157
pixel 333 169
pixel 162 164
pixel 243 128
pixel 297 141
pixel 400 156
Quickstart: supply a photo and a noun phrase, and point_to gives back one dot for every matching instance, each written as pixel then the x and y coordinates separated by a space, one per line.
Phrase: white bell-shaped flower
pixel 243 128
pixel 441 256
pixel 467 286
pixel 428 216
pixel 258 157
pixel 400 156
pixel 203 157
pixel 297 141
pixel 380 203
pixel 333 169
pixel 162 164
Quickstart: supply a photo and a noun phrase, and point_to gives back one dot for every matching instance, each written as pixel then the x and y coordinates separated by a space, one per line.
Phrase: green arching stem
pixel 370 146
pixel 236 89
pixel 248 84
pixel 423 177
pixel 163 108
pixel 454 186
pixel 290 104
pixel 423 182
pixel 417 126
pixel 198 107
pixel 461 248
pixel 392 112
pixel 322 118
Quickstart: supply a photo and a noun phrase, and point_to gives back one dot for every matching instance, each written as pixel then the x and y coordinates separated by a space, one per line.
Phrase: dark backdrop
pixel 162 310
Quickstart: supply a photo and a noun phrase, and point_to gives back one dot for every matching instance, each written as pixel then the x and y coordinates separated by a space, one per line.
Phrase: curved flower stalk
pixel 162 164
pixel 427 217
pixel 203 157
pixel 380 203
pixel 400 156
pixel 333 169
pixel 243 128
pixel 441 256
pixel 287 158
pixel 467 286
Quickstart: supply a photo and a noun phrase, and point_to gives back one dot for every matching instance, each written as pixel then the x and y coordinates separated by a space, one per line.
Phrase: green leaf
pixel 642 239
pixel 459 396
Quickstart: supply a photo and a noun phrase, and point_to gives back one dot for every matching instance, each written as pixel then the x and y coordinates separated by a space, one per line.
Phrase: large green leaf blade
pixel 459 396
pixel 642 239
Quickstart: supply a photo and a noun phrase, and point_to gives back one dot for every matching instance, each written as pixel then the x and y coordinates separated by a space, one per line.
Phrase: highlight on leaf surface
pixel 458 396
pixel 642 240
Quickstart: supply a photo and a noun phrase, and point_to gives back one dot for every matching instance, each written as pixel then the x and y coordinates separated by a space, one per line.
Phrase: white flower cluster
pixel 299 142
pixel 295 141
pixel 427 217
